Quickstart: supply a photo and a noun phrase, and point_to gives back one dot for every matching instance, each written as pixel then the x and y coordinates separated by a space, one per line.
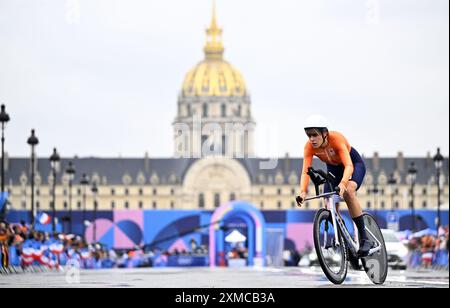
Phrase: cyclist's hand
pixel 300 199
pixel 342 189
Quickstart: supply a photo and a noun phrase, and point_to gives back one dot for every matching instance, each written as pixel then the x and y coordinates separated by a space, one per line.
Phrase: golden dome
pixel 214 76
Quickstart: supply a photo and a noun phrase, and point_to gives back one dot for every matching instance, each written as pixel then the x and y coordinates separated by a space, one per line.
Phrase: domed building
pixel 214 95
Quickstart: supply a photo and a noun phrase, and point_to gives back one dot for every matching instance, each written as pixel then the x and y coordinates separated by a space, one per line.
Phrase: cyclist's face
pixel 315 137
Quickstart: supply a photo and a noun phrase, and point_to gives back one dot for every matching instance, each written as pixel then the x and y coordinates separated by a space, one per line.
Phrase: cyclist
pixel 344 162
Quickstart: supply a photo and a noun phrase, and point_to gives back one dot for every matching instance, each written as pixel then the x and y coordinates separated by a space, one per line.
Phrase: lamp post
pixel 33 141
pixel 84 182
pixel 392 182
pixel 4 118
pixel 70 171
pixel 54 161
pixel 94 190
pixel 412 173
pixel 438 160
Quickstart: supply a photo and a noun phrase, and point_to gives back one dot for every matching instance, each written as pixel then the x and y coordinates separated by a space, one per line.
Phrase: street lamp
pixel 438 160
pixel 392 181
pixel 412 173
pixel 84 182
pixel 33 141
pixel 94 190
pixel 4 118
pixel 70 171
pixel 54 161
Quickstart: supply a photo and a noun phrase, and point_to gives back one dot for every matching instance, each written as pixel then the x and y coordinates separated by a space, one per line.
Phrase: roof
pixel 113 171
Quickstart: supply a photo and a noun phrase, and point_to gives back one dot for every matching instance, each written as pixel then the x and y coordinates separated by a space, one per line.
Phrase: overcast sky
pixel 101 77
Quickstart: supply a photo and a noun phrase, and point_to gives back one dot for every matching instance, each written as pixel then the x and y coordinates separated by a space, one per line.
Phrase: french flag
pixel 44 219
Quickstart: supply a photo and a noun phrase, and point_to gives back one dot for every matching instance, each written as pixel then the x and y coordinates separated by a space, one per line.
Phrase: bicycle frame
pixel 331 200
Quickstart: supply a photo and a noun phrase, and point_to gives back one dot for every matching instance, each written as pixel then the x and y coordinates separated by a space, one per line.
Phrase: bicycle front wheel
pixel 332 255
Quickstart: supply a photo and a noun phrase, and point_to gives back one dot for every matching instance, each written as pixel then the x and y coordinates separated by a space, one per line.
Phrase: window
pixel 172 205
pixel 293 205
pixel 424 191
pixel 224 110
pixel 64 192
pixel 113 205
pixel 127 205
pixel 397 204
pixel 79 205
pixel 154 205
pixel 38 205
pixel 239 111
pixel 155 192
pixel 369 205
pixel 306 205
pixel 113 192
pixel 261 191
pixel 279 205
pixel 24 204
pixel 232 196
pixel 189 110
pixel 38 192
pixel 127 191
pixel 293 192
pixel 95 205
pixel 141 192
pixel 79 192
pixel 201 201
pixel 216 200
pixel 172 192
pixel 424 204
pixel 279 192
pixel 205 110
pixel 65 205
pixel 383 205
pixel 262 205
pixel 141 205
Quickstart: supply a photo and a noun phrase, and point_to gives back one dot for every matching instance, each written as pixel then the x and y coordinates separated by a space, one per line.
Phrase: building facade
pixel 215 93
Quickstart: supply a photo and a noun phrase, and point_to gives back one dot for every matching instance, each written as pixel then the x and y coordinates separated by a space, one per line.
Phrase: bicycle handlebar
pixel 319 177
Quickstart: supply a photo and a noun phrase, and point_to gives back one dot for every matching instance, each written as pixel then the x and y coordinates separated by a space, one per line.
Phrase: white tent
pixel 235 237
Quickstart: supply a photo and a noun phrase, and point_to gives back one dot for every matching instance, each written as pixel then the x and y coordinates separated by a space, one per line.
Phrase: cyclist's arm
pixel 344 154
pixel 307 162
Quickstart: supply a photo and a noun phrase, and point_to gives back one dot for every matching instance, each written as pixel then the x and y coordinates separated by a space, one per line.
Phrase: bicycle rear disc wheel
pixel 332 256
pixel 376 265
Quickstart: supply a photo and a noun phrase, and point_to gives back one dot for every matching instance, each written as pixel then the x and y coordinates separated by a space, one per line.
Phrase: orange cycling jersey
pixel 336 152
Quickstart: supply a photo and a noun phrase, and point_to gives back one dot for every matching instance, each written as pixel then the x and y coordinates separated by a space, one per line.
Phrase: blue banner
pixel 3 200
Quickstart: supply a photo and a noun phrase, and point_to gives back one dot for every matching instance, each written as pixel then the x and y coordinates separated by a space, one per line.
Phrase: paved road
pixel 217 278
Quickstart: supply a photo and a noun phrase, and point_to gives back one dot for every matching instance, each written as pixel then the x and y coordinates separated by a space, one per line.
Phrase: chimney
pixel 376 161
pixel 400 162
pixel 287 164
pixel 146 163
pixel 428 161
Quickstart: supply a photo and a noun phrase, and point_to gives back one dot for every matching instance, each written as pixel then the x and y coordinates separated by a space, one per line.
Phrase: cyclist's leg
pixel 353 203
pixel 354 184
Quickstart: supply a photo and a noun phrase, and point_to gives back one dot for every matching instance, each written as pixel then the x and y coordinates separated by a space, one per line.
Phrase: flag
pixel 44 219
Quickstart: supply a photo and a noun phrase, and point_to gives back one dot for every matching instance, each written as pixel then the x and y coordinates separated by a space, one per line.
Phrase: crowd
pixel 23 248
pixel 429 250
